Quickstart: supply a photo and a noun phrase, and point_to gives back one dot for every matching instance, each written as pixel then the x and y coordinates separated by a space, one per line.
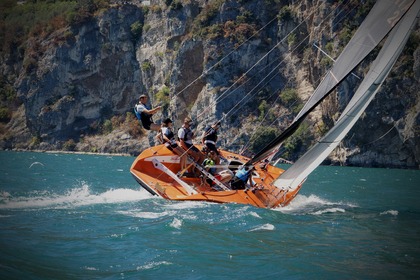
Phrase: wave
pixel 143 215
pixel 389 212
pixel 314 205
pixel 264 227
pixel 80 196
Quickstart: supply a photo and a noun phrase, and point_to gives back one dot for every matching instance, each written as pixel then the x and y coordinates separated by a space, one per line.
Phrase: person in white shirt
pixel 144 113
pixel 186 135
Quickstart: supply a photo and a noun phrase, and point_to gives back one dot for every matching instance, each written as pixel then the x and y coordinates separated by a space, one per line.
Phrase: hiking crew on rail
pixel 145 114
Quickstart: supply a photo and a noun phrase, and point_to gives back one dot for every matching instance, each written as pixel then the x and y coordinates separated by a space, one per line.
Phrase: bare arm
pixel 152 111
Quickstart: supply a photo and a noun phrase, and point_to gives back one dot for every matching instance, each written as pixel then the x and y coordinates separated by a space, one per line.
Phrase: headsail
pixel 381 19
pixel 361 99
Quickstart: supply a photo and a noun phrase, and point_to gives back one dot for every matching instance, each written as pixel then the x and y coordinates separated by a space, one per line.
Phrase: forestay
pixel 381 19
pixel 361 99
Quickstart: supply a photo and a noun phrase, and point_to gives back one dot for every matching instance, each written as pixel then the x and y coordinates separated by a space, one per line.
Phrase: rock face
pixel 91 76
pixel 233 61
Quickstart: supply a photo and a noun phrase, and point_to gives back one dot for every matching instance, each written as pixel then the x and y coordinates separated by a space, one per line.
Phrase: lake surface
pixel 70 216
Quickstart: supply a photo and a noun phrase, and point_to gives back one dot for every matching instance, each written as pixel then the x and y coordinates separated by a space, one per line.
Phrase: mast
pixel 381 19
pixel 379 70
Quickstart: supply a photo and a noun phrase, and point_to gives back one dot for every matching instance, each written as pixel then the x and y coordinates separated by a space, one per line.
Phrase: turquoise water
pixel 84 217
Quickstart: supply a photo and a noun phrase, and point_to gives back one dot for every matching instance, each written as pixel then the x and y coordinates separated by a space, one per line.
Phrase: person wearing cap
pixel 186 135
pixel 168 138
pixel 209 137
pixel 146 113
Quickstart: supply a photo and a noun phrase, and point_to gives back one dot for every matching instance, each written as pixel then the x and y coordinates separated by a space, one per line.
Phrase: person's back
pixel 242 175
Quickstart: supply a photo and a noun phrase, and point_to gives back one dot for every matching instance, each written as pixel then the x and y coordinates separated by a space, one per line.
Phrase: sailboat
pixel 158 169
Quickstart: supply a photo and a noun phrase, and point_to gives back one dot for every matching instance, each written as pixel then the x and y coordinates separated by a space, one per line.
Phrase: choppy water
pixel 84 217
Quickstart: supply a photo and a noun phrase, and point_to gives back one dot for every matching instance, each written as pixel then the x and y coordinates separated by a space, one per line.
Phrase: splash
pixel 264 227
pixel 176 223
pixel 389 212
pixel 36 163
pixel 329 210
pixel 314 205
pixel 144 215
pixel 75 197
pixel 153 265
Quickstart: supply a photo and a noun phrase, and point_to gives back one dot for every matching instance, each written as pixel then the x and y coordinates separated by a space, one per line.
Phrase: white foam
pixel 80 196
pixel 307 204
pixel 186 205
pixel 152 265
pixel 176 223
pixel 36 163
pixel 264 227
pixel 390 212
pixel 144 215
pixel 329 210
pixel 254 214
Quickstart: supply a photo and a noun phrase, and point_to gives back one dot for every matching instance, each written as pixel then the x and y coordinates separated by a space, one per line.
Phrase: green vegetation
pixel 174 4
pixel 262 137
pixel 127 123
pixel 285 14
pixel 136 30
pixel 202 23
pixel 291 40
pixel 107 127
pixel 7 92
pixel 263 108
pixel 69 145
pixel 146 65
pixel 39 18
pixel 297 141
pixel 5 114
pixel 290 98
pixel 162 97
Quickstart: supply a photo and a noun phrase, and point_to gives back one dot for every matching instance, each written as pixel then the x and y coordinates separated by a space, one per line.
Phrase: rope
pixel 225 93
pixel 231 111
pixel 223 58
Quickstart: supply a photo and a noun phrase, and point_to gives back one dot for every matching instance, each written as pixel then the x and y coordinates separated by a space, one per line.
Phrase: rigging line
pixel 247 145
pixel 281 41
pixel 223 58
pixel 236 108
pixel 381 136
pixel 255 64
pixel 222 96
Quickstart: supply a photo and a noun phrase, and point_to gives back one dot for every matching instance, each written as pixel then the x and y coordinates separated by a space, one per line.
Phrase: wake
pixel 76 197
pixel 314 205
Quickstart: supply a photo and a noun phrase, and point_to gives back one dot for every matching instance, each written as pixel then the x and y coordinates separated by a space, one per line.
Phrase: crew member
pixel 144 114
pixel 186 135
pixel 209 137
pixel 168 138
pixel 242 175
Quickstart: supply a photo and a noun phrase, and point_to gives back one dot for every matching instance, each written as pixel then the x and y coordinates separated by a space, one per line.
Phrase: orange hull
pixel 161 180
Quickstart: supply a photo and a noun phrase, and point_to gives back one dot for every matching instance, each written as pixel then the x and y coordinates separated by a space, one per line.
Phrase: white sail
pixel 380 20
pixel 379 70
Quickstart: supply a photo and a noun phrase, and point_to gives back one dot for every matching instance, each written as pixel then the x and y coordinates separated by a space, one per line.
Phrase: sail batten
pixel 370 33
pixel 366 92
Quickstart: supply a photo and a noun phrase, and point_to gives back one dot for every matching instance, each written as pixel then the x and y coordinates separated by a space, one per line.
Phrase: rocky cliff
pixel 249 63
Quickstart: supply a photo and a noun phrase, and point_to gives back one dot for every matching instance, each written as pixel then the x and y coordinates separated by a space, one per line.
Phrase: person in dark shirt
pixel 168 138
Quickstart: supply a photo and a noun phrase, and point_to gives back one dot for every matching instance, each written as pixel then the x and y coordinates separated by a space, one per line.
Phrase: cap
pixel 143 95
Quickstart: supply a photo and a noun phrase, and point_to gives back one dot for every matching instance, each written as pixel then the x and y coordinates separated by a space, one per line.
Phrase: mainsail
pixel 378 72
pixel 381 19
